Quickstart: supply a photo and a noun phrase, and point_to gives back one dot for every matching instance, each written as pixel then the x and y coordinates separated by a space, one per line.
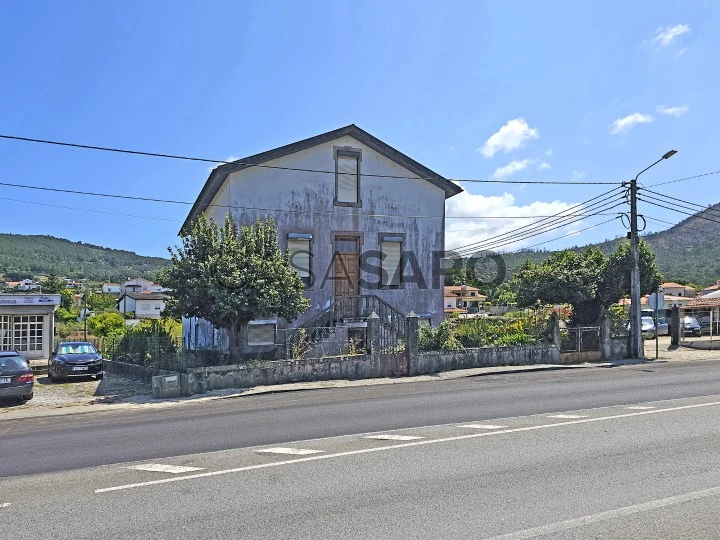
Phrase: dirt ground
pixel 83 391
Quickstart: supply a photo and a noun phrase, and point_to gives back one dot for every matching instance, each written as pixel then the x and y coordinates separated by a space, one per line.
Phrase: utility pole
pixel 85 314
pixel 637 349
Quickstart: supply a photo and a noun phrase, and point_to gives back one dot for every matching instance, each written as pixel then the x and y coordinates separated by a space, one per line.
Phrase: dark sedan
pixel 690 326
pixel 75 359
pixel 16 376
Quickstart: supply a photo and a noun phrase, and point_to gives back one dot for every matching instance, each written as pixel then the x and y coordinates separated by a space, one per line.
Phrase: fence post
pixel 555 329
pixel 372 339
pixel 605 335
pixel 411 340
pixel 675 326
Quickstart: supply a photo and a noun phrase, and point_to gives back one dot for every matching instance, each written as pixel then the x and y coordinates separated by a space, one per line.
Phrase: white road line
pixel 403 445
pixel 4 505
pixel 161 467
pixel 291 451
pixel 567 416
pixel 482 426
pixel 639 408
pixel 391 437
pixel 608 515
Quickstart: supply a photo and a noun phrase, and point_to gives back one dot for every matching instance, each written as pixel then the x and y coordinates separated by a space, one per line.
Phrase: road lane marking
pixel 567 416
pixel 4 505
pixel 403 445
pixel 482 426
pixel 639 408
pixel 608 515
pixel 161 467
pixel 290 451
pixel 391 437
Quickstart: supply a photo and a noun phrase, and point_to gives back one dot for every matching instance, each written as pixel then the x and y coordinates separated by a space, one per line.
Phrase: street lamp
pixel 636 349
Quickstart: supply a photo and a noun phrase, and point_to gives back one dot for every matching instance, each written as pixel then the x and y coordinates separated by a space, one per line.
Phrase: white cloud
pixel 511 136
pixel 511 168
pixel 681 52
pixel 462 232
pixel 544 166
pixel 666 35
pixel 678 110
pixel 576 175
pixel 549 152
pixel 623 125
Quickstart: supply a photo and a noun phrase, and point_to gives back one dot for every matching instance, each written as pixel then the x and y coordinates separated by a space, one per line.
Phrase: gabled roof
pixel 219 174
pixel 143 296
pixel 673 285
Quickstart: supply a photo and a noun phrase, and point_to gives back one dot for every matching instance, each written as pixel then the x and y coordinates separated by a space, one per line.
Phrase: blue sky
pixel 582 91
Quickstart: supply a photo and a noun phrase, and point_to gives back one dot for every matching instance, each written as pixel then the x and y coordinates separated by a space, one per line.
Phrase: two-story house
pixel 675 289
pixel 358 217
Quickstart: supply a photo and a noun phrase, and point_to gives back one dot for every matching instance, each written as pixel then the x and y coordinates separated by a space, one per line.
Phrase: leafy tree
pixel 53 285
pixel 101 302
pixel 230 276
pixel 586 279
pixel 104 324
pixel 615 283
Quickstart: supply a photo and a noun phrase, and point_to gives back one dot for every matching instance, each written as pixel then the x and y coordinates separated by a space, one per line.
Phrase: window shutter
pixel 391 262
pixel 347 179
pixel 299 253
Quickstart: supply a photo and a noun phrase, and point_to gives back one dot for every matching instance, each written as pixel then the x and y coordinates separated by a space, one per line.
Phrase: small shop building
pixel 27 323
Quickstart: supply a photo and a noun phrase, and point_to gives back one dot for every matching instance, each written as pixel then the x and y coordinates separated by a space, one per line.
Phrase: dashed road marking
pixel 4 505
pixel 396 447
pixel 161 467
pixel 390 437
pixel 567 416
pixel 291 451
pixel 639 408
pixel 482 426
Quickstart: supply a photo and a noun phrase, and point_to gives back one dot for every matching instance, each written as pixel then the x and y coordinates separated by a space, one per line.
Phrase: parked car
pixel 663 326
pixel 690 326
pixel 648 327
pixel 75 359
pixel 16 376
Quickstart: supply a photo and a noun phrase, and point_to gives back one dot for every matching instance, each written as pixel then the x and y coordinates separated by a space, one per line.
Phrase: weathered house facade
pixel 359 218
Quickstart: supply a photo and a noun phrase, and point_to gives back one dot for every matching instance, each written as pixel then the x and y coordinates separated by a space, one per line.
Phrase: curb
pixel 298 387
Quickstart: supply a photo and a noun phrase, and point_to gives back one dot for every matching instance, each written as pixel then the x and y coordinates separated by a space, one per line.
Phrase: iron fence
pixel 580 339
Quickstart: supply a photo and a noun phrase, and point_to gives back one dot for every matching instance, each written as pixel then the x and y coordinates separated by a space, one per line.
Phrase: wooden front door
pixel 346 274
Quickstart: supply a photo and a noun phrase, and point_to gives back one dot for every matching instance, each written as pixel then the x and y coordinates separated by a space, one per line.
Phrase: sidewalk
pixel 147 403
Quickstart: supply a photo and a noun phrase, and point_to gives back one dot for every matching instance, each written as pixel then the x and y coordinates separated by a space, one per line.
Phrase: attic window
pixel 347 177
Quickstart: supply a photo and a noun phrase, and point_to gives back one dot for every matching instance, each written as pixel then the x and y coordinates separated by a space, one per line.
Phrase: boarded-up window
pixel 348 168
pixel 300 256
pixel 261 334
pixel 391 248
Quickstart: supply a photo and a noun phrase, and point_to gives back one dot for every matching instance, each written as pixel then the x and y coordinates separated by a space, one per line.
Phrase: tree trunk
pixel 237 338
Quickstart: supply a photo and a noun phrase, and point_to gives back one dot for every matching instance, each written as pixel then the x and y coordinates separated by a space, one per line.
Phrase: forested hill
pixel 27 256
pixel 688 251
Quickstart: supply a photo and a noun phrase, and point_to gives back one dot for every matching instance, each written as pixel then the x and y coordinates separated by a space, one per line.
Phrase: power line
pixel 89 210
pixel 297 169
pixel 699 206
pixel 684 226
pixel 573 233
pixel 680 211
pixel 508 241
pixel 710 211
pixel 683 179
pixel 513 217
pixel 236 207
pixel 560 216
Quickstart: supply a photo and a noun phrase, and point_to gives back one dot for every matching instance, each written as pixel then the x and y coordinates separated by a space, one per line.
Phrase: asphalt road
pixel 73 441
pixel 629 452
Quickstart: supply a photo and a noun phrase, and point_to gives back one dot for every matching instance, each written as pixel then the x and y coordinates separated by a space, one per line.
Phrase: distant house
pixel 675 289
pixel 23 285
pixel 111 288
pixel 138 285
pixel 711 288
pixel 145 305
pixel 670 301
pixel 462 299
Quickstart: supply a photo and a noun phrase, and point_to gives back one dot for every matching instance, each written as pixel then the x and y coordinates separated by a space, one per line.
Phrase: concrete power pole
pixel 636 342
pixel 637 350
